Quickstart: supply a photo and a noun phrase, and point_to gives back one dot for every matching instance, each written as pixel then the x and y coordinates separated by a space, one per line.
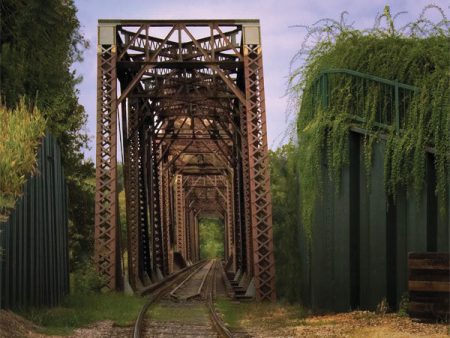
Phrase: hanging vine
pixel 416 54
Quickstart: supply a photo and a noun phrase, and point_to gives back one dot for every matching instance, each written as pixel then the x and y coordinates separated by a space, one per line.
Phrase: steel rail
pixel 162 290
pixel 218 323
pixel 367 77
pixel 158 293
pixel 199 290
pixel 172 293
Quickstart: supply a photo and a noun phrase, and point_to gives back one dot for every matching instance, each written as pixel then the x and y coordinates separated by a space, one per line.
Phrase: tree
pixel 284 184
pixel 40 40
pixel 211 233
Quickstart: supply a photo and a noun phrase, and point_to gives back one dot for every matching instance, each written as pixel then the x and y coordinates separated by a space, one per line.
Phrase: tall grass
pixel 80 310
pixel 21 130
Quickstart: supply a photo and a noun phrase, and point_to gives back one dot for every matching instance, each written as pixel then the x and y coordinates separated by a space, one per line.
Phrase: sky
pixel 280 41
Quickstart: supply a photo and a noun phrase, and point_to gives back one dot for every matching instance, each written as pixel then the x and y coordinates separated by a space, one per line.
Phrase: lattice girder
pixel 106 230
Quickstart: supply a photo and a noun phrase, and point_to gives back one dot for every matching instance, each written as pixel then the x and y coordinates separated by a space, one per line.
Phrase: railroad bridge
pixel 186 98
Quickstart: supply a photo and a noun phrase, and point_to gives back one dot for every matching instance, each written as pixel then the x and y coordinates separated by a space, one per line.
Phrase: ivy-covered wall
pixel 364 179
pixel 360 238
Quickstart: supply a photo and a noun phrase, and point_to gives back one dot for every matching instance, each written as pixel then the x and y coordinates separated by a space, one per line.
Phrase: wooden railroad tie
pixel 429 285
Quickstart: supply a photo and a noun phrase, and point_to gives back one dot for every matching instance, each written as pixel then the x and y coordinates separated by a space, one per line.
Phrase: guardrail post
pixel 324 90
pixel 397 109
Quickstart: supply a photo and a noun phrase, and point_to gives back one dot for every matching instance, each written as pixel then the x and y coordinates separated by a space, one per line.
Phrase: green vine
pixel 416 54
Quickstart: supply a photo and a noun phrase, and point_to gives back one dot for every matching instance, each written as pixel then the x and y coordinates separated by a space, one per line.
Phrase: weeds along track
pixel 184 306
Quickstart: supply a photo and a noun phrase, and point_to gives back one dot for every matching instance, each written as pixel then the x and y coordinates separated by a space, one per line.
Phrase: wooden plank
pixel 429 286
pixel 428 310
pixel 430 255
pixel 429 264
pixel 429 275
pixel 430 297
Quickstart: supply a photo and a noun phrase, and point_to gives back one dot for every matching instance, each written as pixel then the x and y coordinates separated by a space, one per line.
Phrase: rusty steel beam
pixel 238 220
pixel 197 237
pixel 258 168
pixel 133 214
pixel 145 264
pixel 165 218
pixel 245 240
pixel 170 23
pixel 180 216
pixel 229 217
pixel 155 206
pixel 107 248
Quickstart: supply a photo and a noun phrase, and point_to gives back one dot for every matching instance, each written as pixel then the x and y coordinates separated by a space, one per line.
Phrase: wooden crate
pixel 429 285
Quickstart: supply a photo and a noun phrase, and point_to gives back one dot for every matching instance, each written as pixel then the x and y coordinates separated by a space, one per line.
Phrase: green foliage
pixel 21 130
pixel 122 208
pixel 285 202
pixel 211 233
pixel 40 41
pixel 416 54
pixel 403 305
pixel 86 279
pixel 79 310
pixel 81 189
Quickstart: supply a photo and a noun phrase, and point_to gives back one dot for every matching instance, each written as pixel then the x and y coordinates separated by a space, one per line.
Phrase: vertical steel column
pixel 246 231
pixel 170 212
pixel 187 235
pixel 259 175
pixel 131 183
pixel 229 215
pixel 192 236
pixel 106 240
pixel 238 218
pixel 165 217
pixel 180 226
pixel 145 266
pixel 197 238
pixel 155 207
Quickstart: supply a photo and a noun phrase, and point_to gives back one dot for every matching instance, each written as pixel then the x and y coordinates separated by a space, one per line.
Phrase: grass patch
pixel 320 323
pixel 79 310
pixel 268 315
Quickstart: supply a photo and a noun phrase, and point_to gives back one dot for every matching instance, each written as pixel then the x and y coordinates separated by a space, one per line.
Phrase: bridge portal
pixel 187 97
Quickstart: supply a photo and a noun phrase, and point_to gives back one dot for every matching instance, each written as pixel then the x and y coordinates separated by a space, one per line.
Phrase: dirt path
pixel 353 324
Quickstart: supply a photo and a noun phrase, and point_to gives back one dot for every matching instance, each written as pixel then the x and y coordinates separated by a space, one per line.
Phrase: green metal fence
pixel 361 238
pixel 33 242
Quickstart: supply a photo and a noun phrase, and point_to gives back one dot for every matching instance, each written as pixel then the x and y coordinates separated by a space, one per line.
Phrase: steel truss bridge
pixel 188 99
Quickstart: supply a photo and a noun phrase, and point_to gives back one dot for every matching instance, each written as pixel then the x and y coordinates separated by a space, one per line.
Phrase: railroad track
pixel 188 301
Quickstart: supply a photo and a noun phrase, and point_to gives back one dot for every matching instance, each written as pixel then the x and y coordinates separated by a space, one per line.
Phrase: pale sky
pixel 279 42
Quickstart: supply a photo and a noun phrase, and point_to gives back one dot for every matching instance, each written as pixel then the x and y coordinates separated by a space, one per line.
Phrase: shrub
pixel 21 130
pixel 403 306
pixel 87 279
